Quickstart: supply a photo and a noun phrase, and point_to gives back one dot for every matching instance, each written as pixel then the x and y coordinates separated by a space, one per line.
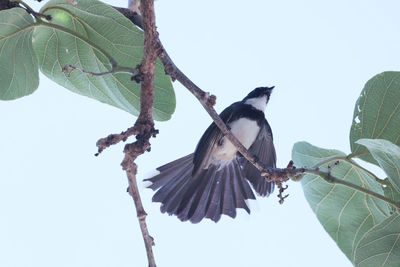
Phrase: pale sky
pixel 63 207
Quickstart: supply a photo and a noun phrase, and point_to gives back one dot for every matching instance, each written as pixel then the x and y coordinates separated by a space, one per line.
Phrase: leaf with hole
pixel 377 113
pixel 91 25
pixel 18 63
pixel 345 214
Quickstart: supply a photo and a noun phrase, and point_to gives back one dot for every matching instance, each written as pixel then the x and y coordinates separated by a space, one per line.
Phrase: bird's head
pixel 259 97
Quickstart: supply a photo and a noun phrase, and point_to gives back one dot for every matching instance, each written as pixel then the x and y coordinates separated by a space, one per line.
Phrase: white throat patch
pixel 259 103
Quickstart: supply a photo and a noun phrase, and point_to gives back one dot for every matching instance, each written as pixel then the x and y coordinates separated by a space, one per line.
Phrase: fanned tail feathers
pixel 209 194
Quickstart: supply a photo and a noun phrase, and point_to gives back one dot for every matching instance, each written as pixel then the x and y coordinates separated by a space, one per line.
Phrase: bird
pixel 216 178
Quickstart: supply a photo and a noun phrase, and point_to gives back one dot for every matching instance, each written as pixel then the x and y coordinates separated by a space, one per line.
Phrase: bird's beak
pixel 269 91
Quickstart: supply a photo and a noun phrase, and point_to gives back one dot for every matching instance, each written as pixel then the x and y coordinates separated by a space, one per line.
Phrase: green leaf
pixel 381 245
pixel 392 194
pixel 104 27
pixel 18 63
pixel 377 113
pixel 387 155
pixel 345 214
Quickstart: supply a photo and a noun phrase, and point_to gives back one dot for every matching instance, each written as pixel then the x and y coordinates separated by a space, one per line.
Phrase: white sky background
pixel 61 206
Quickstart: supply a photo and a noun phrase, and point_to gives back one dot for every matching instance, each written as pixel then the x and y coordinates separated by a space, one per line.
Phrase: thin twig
pixel 113 139
pixel 132 151
pixel 280 186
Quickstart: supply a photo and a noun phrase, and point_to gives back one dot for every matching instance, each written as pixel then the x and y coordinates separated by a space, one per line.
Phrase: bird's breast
pixel 245 130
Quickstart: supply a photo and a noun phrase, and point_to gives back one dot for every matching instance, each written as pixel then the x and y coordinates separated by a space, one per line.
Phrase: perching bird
pixel 214 180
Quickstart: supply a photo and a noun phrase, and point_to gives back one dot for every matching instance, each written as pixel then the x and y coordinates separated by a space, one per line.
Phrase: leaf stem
pixel 353 163
pixel 115 69
pixel 327 176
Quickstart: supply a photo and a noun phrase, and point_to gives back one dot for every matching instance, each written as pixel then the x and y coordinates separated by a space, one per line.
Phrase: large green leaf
pixel 345 214
pixel 377 113
pixel 381 245
pixel 18 64
pixel 391 193
pixel 387 155
pixel 106 28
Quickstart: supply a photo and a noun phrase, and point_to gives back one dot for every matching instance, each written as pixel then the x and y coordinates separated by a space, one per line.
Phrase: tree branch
pixel 276 175
pixel 144 125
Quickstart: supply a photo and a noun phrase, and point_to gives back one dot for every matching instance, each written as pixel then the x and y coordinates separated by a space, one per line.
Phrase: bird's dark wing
pixel 209 139
pixel 263 148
